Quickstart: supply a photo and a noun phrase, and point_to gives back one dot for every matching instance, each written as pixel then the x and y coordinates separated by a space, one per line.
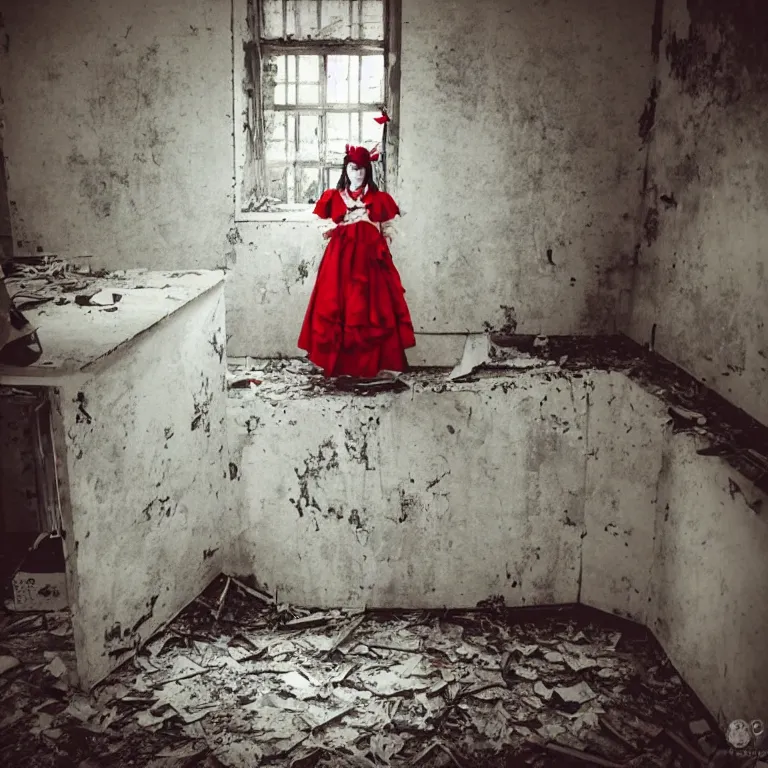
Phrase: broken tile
pixel 576 694
pixel 7 663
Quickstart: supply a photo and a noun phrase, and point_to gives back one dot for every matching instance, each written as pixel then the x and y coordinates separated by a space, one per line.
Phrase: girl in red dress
pixel 357 322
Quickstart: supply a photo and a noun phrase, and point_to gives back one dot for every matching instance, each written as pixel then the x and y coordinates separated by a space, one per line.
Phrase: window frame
pixel 247 99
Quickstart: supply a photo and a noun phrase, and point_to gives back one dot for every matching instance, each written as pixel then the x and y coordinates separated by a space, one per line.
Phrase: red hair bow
pixel 361 156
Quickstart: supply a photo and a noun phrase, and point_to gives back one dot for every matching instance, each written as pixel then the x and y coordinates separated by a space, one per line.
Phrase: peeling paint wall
pixel 118 129
pixel 709 581
pixel 436 499
pixel 147 473
pixel 625 445
pixel 540 488
pixel 519 163
pixel 702 274
pixel 526 487
pixel 519 176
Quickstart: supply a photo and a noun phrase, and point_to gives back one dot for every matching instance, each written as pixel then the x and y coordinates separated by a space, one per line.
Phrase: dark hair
pixel 368 181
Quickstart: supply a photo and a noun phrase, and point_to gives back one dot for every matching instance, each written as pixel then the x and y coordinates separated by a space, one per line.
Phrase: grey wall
pixel 118 122
pixel 543 487
pixel 518 135
pixel 702 275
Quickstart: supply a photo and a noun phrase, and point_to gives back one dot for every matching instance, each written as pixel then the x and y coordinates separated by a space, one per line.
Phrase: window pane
pixel 337 80
pixel 354 79
pixel 355 21
pixel 338 134
pixel 290 19
pixel 275 137
pixel 373 19
pixel 277 177
pixel 278 95
pixel 372 131
pixel 276 152
pixel 339 19
pixel 309 144
pixel 307 185
pixel 335 21
pixel 309 69
pixel 309 79
pixel 302 22
pixel 309 94
pixel 372 80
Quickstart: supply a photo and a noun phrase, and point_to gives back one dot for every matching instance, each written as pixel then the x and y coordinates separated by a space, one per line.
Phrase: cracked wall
pixel 118 129
pixel 146 540
pixel 519 172
pixel 539 488
pixel 486 481
pixel 702 270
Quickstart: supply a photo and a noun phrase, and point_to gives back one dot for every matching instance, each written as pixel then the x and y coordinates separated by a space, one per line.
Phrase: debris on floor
pixel 239 680
pixel 34 281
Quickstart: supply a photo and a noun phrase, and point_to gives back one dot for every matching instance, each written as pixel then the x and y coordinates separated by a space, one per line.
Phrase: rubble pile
pixel 239 680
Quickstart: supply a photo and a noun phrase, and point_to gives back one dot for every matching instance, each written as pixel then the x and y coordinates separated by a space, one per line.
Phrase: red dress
pixel 357 322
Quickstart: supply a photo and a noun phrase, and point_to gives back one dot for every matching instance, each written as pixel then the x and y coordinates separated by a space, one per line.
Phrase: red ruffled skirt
pixel 357 322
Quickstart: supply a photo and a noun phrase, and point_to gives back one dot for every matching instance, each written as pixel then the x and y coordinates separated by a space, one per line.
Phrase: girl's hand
pixel 327 234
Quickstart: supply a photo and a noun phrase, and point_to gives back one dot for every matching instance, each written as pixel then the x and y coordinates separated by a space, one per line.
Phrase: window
pixel 317 74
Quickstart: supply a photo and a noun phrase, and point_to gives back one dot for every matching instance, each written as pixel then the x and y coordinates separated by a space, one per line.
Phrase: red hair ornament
pixel 360 156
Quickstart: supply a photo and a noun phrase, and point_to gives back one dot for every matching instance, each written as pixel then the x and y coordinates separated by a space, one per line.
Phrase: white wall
pixel 117 129
pixel 518 134
pixel 147 527
pixel 540 488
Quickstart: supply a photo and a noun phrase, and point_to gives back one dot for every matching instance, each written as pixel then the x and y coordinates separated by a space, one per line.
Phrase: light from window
pixel 322 19
pixel 322 85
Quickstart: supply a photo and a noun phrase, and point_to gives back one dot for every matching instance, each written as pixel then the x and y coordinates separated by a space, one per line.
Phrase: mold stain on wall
pixel 700 257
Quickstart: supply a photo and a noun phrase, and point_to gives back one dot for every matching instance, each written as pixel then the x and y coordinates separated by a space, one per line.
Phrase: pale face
pixel 356 175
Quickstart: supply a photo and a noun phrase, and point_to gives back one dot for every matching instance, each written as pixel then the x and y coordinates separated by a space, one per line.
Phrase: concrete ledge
pixel 544 487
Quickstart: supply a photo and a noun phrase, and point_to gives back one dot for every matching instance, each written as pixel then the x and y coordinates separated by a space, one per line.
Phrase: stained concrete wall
pixel 518 135
pixel 541 488
pixel 708 607
pixel 626 435
pixel 118 129
pixel 146 479
pixel 702 275
pixel 485 480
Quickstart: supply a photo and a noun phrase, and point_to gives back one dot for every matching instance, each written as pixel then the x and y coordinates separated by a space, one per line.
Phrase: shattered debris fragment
pixel 8 663
pixel 254 682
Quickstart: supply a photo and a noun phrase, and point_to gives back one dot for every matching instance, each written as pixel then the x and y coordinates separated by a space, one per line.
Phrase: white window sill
pixel 294 214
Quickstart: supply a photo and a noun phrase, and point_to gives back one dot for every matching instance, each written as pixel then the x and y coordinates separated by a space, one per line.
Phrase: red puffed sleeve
pixel 323 205
pixel 331 206
pixel 383 207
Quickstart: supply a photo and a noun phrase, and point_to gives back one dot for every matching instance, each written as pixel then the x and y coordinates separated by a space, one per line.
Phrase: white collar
pixel 349 202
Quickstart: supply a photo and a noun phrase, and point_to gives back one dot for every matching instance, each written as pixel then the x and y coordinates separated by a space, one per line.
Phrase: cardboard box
pixel 40 582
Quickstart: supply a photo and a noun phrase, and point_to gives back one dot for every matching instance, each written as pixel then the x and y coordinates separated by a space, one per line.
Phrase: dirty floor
pixel 239 680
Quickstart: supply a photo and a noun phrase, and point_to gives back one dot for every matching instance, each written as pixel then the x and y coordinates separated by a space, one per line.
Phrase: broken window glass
pixel 323 80
pixel 322 19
